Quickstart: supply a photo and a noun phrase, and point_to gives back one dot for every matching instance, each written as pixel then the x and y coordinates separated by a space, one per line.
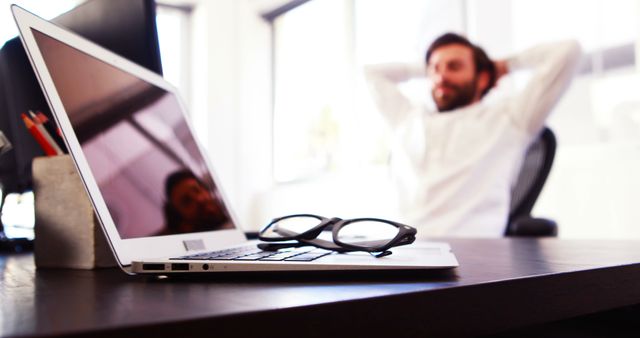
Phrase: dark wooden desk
pixel 502 284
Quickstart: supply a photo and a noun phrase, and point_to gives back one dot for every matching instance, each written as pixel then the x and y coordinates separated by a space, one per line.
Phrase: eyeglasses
pixel 373 235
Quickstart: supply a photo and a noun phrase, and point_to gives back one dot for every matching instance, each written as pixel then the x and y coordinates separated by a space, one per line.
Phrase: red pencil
pixel 48 149
pixel 46 120
pixel 54 131
pixel 43 130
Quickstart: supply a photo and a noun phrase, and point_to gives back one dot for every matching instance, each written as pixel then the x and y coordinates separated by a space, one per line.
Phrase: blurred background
pixel 276 94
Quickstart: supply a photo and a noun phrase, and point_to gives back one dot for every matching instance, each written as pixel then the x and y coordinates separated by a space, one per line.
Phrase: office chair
pixel 533 174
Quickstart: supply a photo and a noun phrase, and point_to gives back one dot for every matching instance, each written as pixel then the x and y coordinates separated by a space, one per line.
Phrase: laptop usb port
pixel 153 267
pixel 180 267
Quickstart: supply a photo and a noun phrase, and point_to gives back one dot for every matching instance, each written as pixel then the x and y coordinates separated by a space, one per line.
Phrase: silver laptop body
pixel 126 130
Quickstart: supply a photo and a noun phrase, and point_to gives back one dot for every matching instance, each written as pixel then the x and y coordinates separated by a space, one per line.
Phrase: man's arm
pixel 383 81
pixel 553 66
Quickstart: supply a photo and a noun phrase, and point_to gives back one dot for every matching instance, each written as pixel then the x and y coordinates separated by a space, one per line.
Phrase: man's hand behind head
pixel 502 68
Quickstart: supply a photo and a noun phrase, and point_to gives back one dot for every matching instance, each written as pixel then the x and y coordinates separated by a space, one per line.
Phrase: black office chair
pixel 533 174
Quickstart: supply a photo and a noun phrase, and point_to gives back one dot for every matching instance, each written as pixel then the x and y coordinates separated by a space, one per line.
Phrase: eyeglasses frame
pixel 405 235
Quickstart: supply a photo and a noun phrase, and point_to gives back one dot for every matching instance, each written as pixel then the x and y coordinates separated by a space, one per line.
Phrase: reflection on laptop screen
pixel 137 143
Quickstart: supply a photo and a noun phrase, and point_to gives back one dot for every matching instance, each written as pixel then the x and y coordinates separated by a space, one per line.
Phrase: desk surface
pixel 501 284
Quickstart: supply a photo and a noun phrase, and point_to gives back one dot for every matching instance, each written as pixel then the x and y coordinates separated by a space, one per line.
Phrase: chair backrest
pixel 533 174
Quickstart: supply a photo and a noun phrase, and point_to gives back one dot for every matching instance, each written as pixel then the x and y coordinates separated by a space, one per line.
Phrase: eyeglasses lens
pixel 367 233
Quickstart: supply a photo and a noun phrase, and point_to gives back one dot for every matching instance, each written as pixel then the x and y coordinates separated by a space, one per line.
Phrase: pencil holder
pixel 67 232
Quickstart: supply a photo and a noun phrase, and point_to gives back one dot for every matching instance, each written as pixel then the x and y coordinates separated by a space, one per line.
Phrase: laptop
pixel 143 170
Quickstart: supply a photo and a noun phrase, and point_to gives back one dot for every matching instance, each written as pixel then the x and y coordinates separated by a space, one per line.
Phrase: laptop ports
pixel 180 267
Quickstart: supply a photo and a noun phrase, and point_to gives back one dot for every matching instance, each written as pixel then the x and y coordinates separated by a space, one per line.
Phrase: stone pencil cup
pixel 67 232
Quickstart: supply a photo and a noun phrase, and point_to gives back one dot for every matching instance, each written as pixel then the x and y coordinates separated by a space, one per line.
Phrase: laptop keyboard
pixel 251 253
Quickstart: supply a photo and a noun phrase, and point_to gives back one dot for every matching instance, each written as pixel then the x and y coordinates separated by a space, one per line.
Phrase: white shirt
pixel 454 171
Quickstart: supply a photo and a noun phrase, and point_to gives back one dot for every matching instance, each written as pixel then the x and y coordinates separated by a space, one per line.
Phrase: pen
pixel 35 132
pixel 45 132
pixel 52 129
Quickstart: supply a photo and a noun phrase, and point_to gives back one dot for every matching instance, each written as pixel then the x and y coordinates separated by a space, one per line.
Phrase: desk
pixel 502 284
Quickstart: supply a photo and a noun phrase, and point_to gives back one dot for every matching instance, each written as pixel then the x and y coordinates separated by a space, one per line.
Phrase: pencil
pixel 46 147
pixel 52 129
pixel 43 130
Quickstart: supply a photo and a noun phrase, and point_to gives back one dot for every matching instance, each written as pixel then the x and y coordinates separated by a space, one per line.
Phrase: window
pixel 313 86
pixel 174 36
pixel 324 121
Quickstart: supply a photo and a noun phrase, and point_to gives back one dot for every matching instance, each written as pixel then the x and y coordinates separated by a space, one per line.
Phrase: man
pixel 454 169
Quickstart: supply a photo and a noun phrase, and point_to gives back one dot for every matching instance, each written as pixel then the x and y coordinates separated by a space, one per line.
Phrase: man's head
pixel 190 203
pixel 460 71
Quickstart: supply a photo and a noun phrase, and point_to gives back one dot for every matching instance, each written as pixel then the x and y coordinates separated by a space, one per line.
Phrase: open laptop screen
pixel 138 145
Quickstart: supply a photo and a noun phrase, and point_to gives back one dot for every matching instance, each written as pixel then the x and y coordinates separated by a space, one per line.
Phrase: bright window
pixel 174 36
pixel 313 88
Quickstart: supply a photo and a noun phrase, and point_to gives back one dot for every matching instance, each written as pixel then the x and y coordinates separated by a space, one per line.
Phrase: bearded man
pixel 454 168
